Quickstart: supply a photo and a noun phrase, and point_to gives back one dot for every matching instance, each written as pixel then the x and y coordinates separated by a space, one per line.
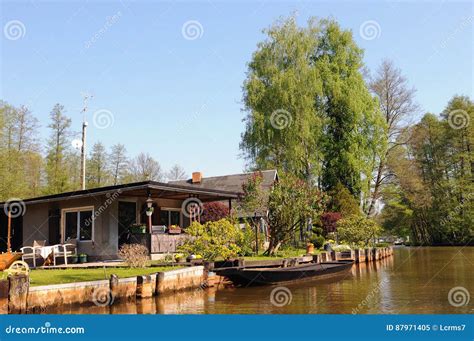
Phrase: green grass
pixel 46 277
pixel 281 254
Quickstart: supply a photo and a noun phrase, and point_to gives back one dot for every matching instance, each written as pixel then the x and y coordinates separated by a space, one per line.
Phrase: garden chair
pixel 32 252
pixel 65 250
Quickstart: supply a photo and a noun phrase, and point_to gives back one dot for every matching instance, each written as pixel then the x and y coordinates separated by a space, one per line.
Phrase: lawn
pixel 46 277
pixel 286 253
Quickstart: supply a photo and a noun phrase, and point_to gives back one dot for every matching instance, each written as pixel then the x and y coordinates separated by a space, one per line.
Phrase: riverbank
pixel 17 296
pixel 410 282
pixel 23 294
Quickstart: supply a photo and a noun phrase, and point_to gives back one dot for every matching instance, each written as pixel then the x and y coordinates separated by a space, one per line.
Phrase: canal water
pixel 428 280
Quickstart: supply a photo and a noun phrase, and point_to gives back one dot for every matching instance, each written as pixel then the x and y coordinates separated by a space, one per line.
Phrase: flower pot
pixel 82 258
pixel 73 259
pixel 174 231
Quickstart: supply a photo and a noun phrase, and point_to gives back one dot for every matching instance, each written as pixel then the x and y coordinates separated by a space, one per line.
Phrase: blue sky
pixel 180 99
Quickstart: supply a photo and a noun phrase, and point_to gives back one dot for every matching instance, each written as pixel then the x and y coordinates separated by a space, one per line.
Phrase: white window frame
pixel 175 209
pixel 77 209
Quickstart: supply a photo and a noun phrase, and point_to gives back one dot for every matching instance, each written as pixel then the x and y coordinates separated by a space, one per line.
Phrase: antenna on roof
pixel 85 97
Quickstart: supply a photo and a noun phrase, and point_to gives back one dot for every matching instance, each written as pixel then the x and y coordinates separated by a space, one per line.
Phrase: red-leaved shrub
pixel 329 221
pixel 214 211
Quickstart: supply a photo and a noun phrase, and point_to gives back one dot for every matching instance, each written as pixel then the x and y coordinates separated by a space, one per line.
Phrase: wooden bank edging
pixel 18 297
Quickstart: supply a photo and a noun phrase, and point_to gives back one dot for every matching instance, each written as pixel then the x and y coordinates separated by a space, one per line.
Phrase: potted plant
pixel 149 211
pixel 73 259
pixel 179 258
pixel 82 258
pixel 137 228
pixel 174 229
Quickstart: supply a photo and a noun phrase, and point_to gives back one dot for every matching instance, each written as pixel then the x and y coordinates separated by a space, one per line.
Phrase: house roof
pixel 232 183
pixel 156 189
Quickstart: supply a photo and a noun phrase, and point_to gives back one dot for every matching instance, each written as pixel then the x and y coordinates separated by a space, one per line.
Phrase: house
pixel 99 219
pixel 234 183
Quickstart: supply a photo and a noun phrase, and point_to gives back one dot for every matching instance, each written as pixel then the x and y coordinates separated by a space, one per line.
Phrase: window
pixel 170 217
pixel 78 224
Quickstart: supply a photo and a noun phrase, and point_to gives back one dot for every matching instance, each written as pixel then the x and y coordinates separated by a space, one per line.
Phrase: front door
pixel 127 215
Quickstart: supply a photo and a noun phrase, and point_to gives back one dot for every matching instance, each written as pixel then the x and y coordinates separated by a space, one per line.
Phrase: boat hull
pixel 270 276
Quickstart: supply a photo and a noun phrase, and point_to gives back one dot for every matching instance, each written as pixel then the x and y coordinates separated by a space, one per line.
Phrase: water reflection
pixel 414 280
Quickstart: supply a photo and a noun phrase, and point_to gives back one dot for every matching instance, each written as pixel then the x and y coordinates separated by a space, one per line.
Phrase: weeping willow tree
pixel 309 111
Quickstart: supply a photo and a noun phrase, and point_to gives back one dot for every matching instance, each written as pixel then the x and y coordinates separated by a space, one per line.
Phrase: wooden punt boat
pixel 269 276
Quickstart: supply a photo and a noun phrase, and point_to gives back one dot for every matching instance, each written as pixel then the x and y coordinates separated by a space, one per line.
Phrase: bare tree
pixel 176 173
pixel 397 104
pixel 144 168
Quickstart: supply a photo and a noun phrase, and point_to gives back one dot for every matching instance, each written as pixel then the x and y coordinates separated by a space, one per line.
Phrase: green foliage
pixel 432 196
pixel 343 201
pixel 98 173
pixel 309 111
pixel 254 197
pixel 214 239
pixel 247 241
pixel 357 229
pixel 58 144
pixel 318 241
pixel 292 202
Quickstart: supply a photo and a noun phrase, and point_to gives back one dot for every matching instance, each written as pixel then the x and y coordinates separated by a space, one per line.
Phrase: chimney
pixel 197 177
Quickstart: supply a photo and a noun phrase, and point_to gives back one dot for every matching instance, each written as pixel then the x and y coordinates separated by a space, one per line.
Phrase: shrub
pixel 329 221
pixel 213 239
pixel 318 241
pixel 357 229
pixel 246 242
pixel 135 255
pixel 317 230
pixel 214 211
pixel 343 201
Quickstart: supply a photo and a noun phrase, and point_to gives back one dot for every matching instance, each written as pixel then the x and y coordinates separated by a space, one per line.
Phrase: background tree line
pixel 31 167
pixel 314 111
